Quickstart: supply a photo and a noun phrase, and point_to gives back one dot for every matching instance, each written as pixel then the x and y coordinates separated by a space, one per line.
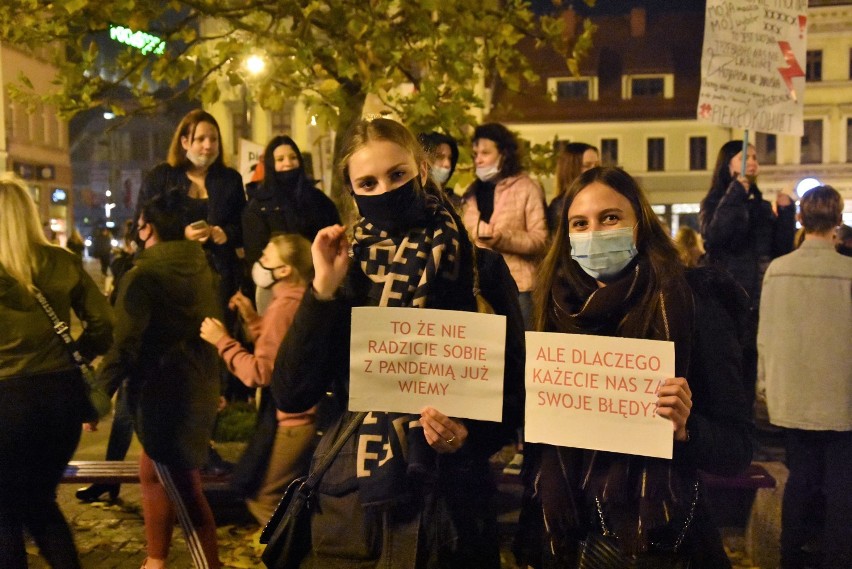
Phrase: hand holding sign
pixel 444 434
pixel 674 402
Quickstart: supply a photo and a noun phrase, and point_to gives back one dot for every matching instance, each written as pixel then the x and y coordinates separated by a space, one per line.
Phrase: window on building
pixel 656 154
pixel 282 121
pixel 813 69
pixel 569 90
pixel 767 148
pixel 647 87
pixel 609 151
pixel 697 152
pixel 572 88
pixel 812 142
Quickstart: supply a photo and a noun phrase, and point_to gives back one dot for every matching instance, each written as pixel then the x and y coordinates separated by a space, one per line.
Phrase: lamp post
pixel 254 65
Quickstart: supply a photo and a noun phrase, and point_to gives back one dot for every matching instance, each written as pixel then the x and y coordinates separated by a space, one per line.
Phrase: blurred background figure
pixel 690 246
pixel 102 248
pixel 843 240
pixel 75 243
pixel 742 234
pixel 805 369
pixel 574 159
pixel 43 398
pixel 443 153
pixel 287 201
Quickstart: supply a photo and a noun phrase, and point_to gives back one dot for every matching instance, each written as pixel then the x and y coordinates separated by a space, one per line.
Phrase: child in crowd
pixel 280 449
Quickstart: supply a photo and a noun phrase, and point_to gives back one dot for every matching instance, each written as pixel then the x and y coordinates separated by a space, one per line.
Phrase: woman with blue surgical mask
pixel 612 270
pixel 504 209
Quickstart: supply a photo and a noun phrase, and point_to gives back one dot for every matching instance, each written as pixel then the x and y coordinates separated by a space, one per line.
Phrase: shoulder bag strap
pixel 324 463
pixel 61 329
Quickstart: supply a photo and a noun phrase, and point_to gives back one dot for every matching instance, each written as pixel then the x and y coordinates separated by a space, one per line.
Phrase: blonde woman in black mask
pixel 429 506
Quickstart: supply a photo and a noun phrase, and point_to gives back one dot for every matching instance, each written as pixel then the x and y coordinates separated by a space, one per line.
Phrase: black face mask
pixel 397 210
pixel 287 179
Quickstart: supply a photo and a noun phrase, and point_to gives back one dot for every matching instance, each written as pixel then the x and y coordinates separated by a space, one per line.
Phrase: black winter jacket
pixel 173 385
pixel 742 235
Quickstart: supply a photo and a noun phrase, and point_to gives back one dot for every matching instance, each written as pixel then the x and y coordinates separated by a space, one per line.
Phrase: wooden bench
pixel 124 472
pixel 731 497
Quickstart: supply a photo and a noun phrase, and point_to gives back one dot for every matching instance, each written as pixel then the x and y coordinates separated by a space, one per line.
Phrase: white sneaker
pixel 514 466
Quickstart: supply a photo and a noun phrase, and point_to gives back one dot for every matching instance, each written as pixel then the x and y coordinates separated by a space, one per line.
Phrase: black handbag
pixel 287 534
pixel 97 403
pixel 601 551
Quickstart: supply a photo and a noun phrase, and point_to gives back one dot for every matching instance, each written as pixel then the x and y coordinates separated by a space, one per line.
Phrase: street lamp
pixel 254 65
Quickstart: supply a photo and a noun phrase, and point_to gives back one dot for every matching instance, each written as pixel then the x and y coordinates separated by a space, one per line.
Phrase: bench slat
pixel 118 472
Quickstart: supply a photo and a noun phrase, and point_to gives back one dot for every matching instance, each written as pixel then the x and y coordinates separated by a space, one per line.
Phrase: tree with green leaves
pixel 429 61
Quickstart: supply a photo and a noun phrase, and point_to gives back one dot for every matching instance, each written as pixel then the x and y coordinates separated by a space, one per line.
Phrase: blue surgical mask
pixel 603 254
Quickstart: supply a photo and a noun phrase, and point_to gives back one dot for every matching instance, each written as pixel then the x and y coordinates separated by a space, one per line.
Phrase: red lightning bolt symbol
pixel 793 68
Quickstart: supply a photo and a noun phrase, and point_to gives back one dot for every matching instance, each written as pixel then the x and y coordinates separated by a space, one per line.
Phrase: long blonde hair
pixel 21 235
pixel 295 251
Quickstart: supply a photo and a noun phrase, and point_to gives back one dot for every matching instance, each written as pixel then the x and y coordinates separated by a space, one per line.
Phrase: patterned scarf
pixel 642 500
pixel 404 270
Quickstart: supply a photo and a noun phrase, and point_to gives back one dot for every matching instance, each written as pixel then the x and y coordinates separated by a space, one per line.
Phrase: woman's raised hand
pixel 330 253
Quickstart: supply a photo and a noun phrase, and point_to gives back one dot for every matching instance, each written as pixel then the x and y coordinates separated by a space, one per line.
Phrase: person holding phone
pixel 503 209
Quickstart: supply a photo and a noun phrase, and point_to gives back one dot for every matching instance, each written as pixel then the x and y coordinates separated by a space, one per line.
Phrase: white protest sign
pixel 403 359
pixel 597 392
pixel 250 154
pixel 752 73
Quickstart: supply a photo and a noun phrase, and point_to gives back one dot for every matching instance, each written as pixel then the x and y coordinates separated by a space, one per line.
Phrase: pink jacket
pixel 518 224
pixel 268 331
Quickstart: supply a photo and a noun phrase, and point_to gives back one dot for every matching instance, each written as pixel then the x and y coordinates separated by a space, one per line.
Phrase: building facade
pixel 636 98
pixel 35 141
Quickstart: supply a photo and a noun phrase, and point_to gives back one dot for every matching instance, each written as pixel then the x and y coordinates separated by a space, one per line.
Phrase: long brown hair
pixel 569 165
pixel 655 249
pixel 186 128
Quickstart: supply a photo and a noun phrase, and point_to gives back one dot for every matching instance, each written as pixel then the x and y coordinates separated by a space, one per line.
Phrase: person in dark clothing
pixel 742 234
pixel 612 270
pixel 102 248
pixel 172 388
pixel 574 159
pixel 286 202
pixel 443 151
pixel 429 506
pixel 42 392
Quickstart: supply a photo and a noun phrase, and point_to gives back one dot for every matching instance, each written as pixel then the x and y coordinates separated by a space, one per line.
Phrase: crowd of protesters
pixel 267 277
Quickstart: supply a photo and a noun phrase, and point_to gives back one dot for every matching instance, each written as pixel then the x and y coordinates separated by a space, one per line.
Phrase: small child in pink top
pixel 285 267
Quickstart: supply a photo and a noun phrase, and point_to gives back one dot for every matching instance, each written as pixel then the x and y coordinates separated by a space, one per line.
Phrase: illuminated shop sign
pixel 59 197
pixel 143 41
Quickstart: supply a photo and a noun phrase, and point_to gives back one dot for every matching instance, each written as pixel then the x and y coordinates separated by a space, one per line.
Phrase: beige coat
pixel 518 225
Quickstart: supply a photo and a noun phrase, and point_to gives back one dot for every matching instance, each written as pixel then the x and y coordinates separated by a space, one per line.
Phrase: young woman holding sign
pixel 407 490
pixel 613 271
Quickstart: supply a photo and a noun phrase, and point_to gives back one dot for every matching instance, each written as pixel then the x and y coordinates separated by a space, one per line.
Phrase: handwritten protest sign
pixel 597 392
pixel 403 359
pixel 751 66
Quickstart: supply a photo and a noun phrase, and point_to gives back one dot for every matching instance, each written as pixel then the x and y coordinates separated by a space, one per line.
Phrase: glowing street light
pixel 255 64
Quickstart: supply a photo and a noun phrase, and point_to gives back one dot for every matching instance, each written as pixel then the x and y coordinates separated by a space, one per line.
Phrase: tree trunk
pixel 349 115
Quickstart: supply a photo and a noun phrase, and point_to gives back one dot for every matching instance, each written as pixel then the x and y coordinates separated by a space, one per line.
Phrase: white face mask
pixel 440 175
pixel 487 173
pixel 263 276
pixel 603 254
pixel 201 161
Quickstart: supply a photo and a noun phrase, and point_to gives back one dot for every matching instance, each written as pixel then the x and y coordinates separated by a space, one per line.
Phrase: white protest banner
pixel 250 155
pixel 403 359
pixel 597 392
pixel 751 66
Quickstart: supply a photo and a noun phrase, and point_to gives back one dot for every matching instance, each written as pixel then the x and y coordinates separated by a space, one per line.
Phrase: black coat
pixel 173 386
pixel 271 210
pixel 742 235
pixel 314 359
pixel 720 432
